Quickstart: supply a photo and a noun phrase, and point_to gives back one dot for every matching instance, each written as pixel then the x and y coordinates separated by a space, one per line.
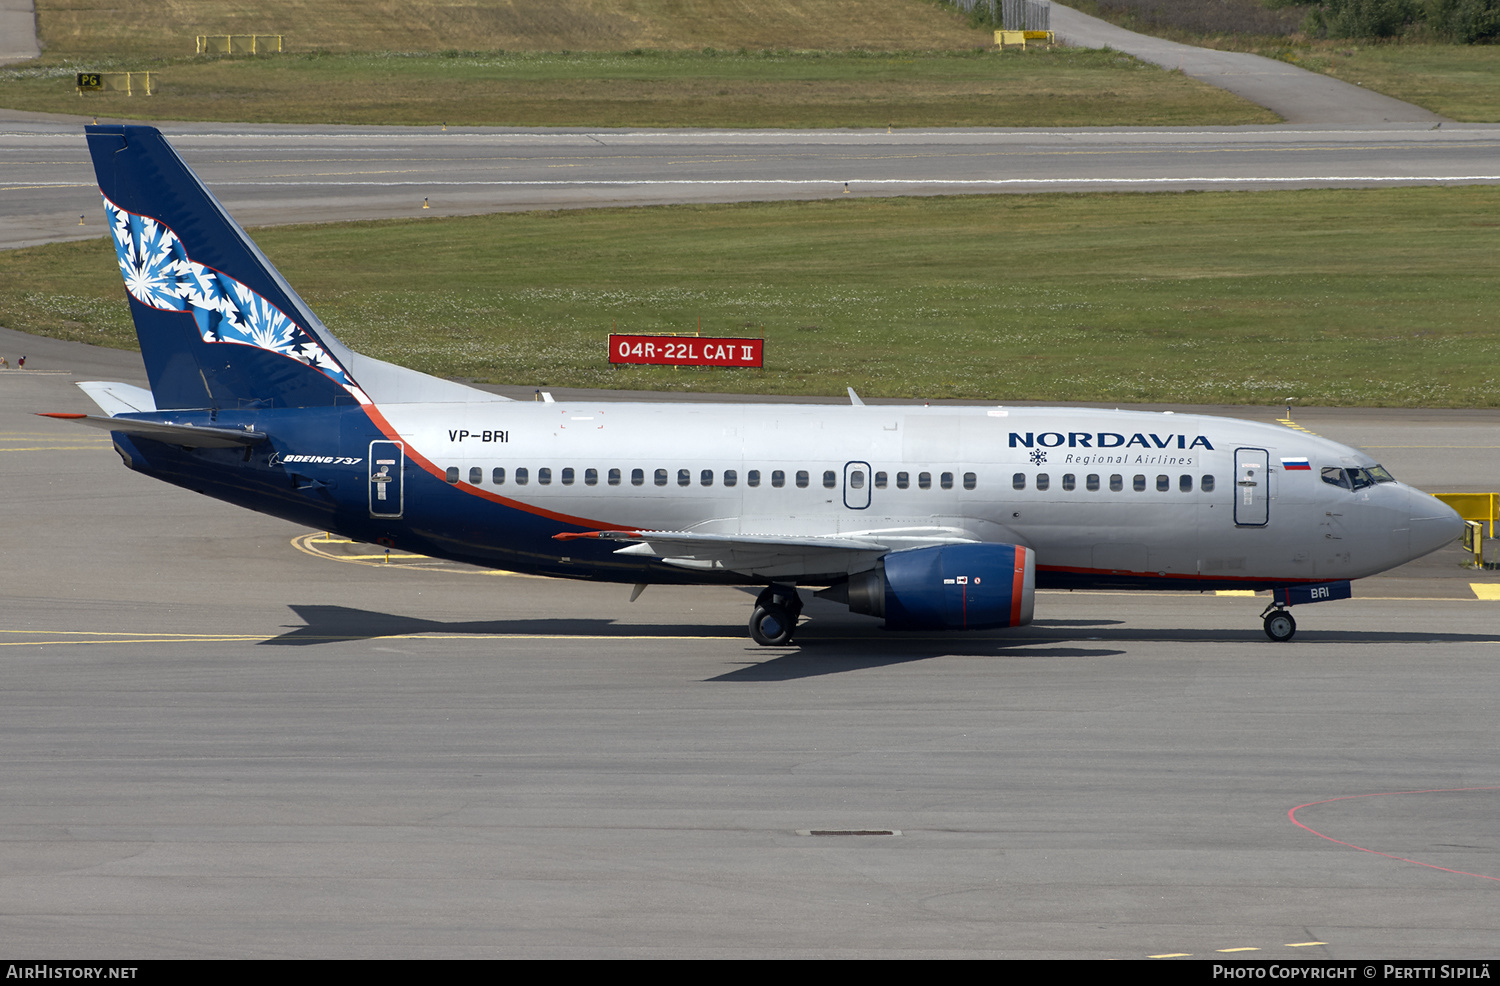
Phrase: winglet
pixel 854 398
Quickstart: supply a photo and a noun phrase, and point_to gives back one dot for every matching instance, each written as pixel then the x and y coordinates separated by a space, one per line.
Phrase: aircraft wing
pixel 191 436
pixel 773 555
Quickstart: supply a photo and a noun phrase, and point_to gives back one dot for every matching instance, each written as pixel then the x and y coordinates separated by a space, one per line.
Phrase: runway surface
pixel 280 174
pixel 213 743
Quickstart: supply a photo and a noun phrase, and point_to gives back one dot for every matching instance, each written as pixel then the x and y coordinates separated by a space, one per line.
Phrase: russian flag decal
pixel 1294 464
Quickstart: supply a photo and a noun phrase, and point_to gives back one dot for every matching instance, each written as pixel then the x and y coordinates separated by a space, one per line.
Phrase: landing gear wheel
pixel 772 626
pixel 1279 625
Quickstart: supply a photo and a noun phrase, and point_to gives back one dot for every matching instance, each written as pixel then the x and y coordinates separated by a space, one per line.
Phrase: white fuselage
pixel 1133 494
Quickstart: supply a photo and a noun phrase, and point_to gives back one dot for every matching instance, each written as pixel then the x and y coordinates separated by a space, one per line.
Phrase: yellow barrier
pixel 127 82
pixel 1483 507
pixel 1003 38
pixel 238 44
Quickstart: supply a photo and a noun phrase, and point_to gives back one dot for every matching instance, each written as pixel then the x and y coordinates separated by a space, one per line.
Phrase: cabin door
pixel 387 463
pixel 1252 487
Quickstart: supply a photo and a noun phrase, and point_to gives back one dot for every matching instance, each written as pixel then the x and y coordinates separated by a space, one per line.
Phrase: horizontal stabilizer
pixel 189 436
pixel 118 398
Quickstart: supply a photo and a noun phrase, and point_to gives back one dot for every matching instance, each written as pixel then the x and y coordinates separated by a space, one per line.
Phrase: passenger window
pixel 1116 483
pixel 856 479
pixel 753 477
pixel 706 478
pixel 778 478
pixel 1206 484
pixel 924 480
pixel 614 478
pixel 1069 482
pixel 591 477
pixel 1163 483
pixel 637 477
pixel 684 477
pixel 498 476
pixel 1043 481
pixel 567 476
pixel 452 475
pixel 946 481
pixel 476 475
pixel 1139 483
pixel 830 479
pixel 1092 482
pixel 903 480
pixel 1018 481
pixel 731 477
pixel 522 476
pixel 544 476
pixel 970 481
pixel 802 479
pixel 1185 484
pixel 880 480
pixel 660 477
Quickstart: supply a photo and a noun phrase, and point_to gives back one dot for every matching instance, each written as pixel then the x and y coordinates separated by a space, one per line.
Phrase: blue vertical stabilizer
pixel 219 327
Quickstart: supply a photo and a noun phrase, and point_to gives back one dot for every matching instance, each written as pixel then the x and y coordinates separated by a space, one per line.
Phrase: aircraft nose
pixel 1433 523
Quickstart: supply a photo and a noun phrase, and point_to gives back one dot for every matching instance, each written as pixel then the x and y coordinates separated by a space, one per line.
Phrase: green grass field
pixel 1063 87
pixel 596 63
pixel 1371 297
pixel 166 28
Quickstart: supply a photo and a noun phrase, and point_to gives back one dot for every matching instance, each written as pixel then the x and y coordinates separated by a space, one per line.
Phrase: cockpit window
pixel 1356 479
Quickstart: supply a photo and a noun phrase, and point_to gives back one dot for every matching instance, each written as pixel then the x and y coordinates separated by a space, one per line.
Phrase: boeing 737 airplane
pixel 926 517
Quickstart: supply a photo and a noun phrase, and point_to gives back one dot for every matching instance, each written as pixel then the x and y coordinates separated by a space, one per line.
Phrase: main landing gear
pixel 775 615
pixel 1279 623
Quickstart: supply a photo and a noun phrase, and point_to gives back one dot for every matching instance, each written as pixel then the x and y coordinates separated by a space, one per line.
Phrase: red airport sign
pixel 686 351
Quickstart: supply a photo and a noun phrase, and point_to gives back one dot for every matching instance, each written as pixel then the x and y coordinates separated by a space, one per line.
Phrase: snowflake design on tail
pixel 159 274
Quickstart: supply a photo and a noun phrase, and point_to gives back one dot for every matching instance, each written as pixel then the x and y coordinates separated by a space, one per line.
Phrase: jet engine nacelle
pixel 949 587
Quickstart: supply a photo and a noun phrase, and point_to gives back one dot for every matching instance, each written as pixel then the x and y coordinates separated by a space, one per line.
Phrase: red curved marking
pixel 427 465
pixel 58 414
pixel 1292 814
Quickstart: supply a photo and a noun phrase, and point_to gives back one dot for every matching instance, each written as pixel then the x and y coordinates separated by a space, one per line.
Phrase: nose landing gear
pixel 775 615
pixel 1279 623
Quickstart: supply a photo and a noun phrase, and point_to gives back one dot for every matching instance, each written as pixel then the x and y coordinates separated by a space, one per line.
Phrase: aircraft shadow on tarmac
pixel 833 646
pixel 330 624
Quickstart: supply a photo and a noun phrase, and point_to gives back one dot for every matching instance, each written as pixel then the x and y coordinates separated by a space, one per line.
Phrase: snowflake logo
pixel 158 273
pixel 1038 457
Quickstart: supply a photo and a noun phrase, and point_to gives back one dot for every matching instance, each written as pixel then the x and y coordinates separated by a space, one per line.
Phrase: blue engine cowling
pixel 949 587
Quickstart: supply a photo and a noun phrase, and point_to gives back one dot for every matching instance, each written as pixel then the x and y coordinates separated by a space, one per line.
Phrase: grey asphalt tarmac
pixel 18 31
pixel 213 743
